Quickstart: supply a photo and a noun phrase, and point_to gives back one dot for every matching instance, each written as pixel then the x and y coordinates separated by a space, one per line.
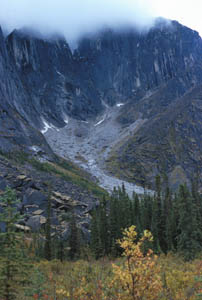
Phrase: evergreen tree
pixel 170 226
pixel 126 209
pixel 48 242
pixel 95 242
pixel 189 229
pixel 156 226
pixel 74 242
pixel 103 227
pixel 167 218
pixel 175 221
pixel 14 266
pixel 61 248
pixel 146 212
pixel 114 224
pixel 136 212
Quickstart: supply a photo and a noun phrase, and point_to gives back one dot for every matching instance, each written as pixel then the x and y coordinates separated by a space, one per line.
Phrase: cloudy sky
pixel 75 17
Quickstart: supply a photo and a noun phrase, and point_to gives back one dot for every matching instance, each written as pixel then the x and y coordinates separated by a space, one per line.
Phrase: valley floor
pixel 95 280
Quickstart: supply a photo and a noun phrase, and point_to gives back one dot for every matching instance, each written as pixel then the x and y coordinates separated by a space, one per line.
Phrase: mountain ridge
pixel 44 84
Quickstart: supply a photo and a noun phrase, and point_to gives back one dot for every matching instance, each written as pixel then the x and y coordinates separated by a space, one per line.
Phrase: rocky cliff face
pixel 168 144
pixel 43 83
pixel 128 64
pixel 15 130
pixel 52 79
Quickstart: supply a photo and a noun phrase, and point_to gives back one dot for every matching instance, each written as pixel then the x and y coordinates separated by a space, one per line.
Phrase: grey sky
pixel 75 17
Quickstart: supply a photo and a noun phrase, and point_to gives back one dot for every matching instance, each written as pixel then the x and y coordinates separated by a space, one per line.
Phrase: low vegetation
pixel 155 258
pixel 59 167
pixel 138 275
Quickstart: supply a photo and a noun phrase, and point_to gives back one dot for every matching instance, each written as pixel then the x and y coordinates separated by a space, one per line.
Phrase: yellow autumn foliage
pixel 179 278
pixel 138 277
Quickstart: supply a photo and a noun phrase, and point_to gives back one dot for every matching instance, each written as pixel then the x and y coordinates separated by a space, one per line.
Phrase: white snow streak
pixel 119 104
pixel 100 122
pixel 47 126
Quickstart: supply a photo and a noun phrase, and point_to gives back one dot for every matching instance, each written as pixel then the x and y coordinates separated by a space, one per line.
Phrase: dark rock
pixel 33 204
pixel 66 233
pixel 169 143
pixel 32 196
pixel 36 222
pixel 3 183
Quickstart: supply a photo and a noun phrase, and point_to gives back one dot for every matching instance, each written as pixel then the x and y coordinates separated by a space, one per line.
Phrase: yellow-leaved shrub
pixel 138 277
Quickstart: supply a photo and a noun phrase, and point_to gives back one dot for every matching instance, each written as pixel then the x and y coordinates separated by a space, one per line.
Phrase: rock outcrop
pixel 16 131
pixel 33 189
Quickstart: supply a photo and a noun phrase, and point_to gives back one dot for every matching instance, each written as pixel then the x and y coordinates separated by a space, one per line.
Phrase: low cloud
pixel 73 18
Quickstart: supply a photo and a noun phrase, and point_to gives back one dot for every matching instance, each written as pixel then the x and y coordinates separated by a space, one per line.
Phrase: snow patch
pixel 59 73
pixel 105 104
pixel 138 83
pixel 156 67
pixel 47 126
pixel 66 120
pixel 91 162
pixel 78 91
pixel 119 104
pixel 34 148
pixel 100 122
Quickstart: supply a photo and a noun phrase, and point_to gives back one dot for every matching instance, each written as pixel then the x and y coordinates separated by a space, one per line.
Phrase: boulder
pixel 3 183
pixel 35 222
pixel 32 196
pixel 22 228
pixel 38 212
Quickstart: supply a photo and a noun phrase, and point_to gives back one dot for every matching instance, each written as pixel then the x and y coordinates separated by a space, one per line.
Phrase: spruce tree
pixel 167 217
pixel 48 242
pixel 114 224
pixel 189 229
pixel 156 226
pixel 95 242
pixel 74 242
pixel 126 209
pixel 103 227
pixel 13 263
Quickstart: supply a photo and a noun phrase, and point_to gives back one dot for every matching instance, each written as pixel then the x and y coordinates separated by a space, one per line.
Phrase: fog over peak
pixel 73 18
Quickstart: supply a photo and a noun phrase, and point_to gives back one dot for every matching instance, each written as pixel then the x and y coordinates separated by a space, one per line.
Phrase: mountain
pixel 132 100
pixel 168 144
pixel 16 133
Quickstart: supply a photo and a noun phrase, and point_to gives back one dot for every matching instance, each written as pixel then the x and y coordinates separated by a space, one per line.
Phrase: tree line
pixel 174 219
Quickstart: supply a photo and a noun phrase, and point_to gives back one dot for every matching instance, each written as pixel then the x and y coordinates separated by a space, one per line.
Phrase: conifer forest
pixel 145 247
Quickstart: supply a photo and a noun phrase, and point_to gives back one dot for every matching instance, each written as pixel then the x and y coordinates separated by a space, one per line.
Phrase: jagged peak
pixel 2 42
pixel 161 25
pixel 171 26
pixel 1 35
pixel 28 33
pixel 1 32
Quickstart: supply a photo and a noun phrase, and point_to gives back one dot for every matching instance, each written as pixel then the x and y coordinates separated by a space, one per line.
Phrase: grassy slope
pixel 60 167
pixel 169 143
